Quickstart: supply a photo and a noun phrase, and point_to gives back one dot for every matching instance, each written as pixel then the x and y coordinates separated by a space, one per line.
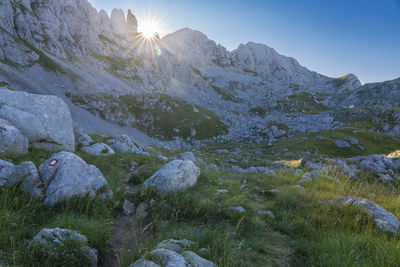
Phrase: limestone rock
pixel 25 173
pixel 175 176
pixel 175 245
pixel 99 149
pixel 385 220
pixel 54 238
pixel 66 175
pixel 44 120
pixel 124 144
pixel 168 258
pixel 144 263
pixel 11 140
pixel 84 140
pixel 195 260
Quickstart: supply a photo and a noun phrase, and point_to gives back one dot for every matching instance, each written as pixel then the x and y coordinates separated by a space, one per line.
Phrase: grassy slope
pixel 304 233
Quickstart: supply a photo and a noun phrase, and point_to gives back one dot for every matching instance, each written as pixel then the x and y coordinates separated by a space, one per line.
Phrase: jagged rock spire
pixel 132 21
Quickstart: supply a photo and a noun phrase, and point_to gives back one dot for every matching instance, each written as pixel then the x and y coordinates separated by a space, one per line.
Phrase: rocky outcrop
pixel 44 120
pixel 12 141
pixel 385 220
pixel 52 239
pixel 25 174
pixel 171 253
pixel 65 175
pixel 132 22
pixel 174 176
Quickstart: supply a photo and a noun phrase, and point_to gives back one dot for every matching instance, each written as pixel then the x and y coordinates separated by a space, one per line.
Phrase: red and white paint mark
pixel 53 162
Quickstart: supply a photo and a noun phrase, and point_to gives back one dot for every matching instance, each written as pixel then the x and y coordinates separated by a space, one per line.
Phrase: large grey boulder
pixel 12 141
pixel 49 239
pixel 66 175
pixel 25 173
pixel 342 144
pixel 385 220
pixel 43 119
pixel 124 144
pixel 99 149
pixel 175 176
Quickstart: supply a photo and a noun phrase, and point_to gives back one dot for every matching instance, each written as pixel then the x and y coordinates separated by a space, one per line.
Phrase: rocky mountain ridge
pixel 101 64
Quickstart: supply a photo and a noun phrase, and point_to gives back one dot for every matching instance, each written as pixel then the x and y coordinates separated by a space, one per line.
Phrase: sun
pixel 149 28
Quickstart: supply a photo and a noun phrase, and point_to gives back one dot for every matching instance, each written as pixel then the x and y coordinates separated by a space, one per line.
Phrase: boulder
pixel 168 258
pixel 144 263
pixel 43 119
pixel 99 149
pixel 65 175
pixel 50 239
pixel 351 140
pixel 385 220
pixel 12 141
pixel 342 144
pixel 25 173
pixel 124 144
pixel 83 140
pixel 174 176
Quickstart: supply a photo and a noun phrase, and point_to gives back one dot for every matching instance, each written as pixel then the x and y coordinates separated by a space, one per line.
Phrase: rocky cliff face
pixel 249 89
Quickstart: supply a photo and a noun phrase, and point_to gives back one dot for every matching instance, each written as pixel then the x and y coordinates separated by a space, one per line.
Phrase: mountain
pixel 103 68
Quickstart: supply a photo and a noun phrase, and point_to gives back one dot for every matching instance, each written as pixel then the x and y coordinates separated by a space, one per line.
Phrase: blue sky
pixel 332 37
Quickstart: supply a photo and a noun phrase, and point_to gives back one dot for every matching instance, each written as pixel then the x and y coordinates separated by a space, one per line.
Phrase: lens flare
pixel 149 27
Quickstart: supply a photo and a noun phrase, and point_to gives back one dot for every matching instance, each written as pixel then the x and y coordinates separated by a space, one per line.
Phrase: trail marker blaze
pixel 53 162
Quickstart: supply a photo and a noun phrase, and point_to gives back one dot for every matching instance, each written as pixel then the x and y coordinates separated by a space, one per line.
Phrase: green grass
pixel 302 102
pixel 303 233
pixel 258 111
pixel 159 114
pixel 373 143
pixel 226 94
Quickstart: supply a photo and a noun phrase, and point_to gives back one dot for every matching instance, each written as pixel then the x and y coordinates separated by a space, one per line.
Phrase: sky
pixel 332 37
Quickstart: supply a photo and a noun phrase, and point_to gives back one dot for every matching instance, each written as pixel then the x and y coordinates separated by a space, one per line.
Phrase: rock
pixel 223 191
pixel 175 245
pixel 204 252
pixel 128 208
pixel 99 149
pixel 25 173
pixel 222 151
pixel 195 260
pixel 83 140
pixel 319 138
pixel 66 175
pixel 175 176
pixel 124 144
pixel 142 213
pixel 162 158
pixel 240 209
pixel 50 122
pixel 385 220
pixel 308 176
pixel 12 141
pixel 385 177
pixel 267 212
pixel 55 238
pixel 144 263
pixel 168 258
pixel 299 187
pixel 351 140
pixel 274 191
pixel 213 167
pixel 342 144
